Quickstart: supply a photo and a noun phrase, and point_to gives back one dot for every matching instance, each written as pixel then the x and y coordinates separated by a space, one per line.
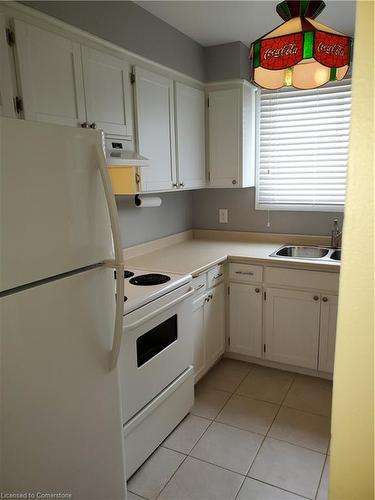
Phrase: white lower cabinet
pixel 245 319
pixel 292 322
pixel 328 320
pixel 208 326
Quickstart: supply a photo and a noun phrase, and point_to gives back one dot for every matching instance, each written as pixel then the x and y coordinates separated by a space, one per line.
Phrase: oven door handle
pixel 161 309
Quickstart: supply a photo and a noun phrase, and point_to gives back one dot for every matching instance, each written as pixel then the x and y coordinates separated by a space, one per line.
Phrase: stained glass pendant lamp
pixel 300 52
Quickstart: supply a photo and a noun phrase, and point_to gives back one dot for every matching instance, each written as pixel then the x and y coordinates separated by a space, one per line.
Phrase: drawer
pixel 200 283
pixel 245 273
pixel 215 275
pixel 316 280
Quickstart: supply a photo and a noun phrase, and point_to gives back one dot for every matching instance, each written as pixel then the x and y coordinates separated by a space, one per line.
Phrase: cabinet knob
pixel 175 185
pixel 316 297
pixel 182 184
pixel 93 125
pixel 234 182
pixel 325 299
pixel 84 124
pixel 257 290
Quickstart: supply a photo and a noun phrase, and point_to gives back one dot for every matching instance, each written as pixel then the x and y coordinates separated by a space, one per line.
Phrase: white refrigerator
pixel 60 323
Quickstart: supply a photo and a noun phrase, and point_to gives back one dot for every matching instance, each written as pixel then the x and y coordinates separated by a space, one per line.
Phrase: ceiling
pixel 213 22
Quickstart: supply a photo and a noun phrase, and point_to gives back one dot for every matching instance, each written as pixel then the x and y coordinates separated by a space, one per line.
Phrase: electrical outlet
pixel 223 215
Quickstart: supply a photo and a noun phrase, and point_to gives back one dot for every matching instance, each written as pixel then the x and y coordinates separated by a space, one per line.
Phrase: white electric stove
pixel 143 287
pixel 156 357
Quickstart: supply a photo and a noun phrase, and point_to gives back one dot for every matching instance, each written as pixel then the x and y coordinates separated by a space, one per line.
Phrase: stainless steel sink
pixel 336 255
pixel 307 252
pixel 301 252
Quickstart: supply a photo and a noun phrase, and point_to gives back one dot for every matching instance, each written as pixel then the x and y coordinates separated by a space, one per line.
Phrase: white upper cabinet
pixel 190 136
pixel 231 135
pixel 6 90
pixel 292 327
pixel 107 92
pixel 155 129
pixel 245 319
pixel 50 76
pixel 327 342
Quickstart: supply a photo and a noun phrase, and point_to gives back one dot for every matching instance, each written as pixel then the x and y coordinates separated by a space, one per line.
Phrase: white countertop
pixel 193 256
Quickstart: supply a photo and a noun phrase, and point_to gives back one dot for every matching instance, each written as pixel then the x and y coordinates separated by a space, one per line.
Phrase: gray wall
pixel 144 224
pixel 242 215
pixel 131 27
pixel 227 62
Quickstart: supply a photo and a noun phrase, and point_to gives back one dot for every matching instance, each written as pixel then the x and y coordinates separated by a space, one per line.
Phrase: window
pixel 303 139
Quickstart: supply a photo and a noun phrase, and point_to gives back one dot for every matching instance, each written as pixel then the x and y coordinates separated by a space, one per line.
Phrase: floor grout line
pixel 321 477
pixel 169 480
pixel 279 487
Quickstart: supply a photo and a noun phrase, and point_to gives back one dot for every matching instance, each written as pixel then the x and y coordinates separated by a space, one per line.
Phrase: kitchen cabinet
pixel 328 320
pixel 214 324
pixel 154 112
pixel 107 92
pixel 245 319
pixel 231 135
pixel 50 76
pixel 208 327
pixel 190 136
pixel 292 322
pixel 199 340
pixel 6 88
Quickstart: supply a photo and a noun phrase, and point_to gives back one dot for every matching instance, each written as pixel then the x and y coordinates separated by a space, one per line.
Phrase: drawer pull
pixel 199 287
pixel 218 276
pixel 257 290
pixel 316 297
pixel 249 273
pixel 325 299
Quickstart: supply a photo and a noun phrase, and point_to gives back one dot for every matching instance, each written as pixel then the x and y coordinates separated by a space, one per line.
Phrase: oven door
pixel 156 349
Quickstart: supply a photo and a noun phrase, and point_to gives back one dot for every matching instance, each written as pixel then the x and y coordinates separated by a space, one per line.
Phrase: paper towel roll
pixel 148 201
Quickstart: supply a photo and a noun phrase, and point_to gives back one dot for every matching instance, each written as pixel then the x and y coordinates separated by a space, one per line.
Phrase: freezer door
pixel 53 213
pixel 61 427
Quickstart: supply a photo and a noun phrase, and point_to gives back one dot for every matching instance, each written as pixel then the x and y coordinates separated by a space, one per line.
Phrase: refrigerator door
pixel 53 213
pixel 61 426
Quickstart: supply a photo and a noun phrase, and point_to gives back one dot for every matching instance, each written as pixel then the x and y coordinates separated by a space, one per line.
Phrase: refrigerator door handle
pixel 112 208
pixel 117 263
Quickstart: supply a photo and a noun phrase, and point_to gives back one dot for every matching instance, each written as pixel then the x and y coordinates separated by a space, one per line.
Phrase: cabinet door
pixel 107 92
pixel 328 320
pixel 190 136
pixel 245 319
pixel 6 90
pixel 199 342
pixel 155 127
pixel 224 116
pixel 292 327
pixel 50 74
pixel 214 324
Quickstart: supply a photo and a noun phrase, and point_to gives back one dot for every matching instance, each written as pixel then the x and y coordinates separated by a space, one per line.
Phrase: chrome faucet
pixel 336 235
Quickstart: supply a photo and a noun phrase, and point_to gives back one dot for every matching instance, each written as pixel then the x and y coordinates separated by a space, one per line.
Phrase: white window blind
pixel 303 140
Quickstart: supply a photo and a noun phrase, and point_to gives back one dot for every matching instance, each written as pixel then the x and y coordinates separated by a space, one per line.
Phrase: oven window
pixel 154 341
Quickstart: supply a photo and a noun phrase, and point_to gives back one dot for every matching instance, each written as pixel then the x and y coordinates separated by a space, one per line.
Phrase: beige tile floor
pixel 254 433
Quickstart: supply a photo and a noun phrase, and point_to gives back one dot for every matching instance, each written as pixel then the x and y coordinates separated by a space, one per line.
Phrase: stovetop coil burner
pixel 127 274
pixel 149 279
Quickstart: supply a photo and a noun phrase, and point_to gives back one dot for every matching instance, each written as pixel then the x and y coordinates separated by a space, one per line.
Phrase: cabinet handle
pixel 325 299
pixel 182 184
pixel 243 272
pixel 199 287
pixel 316 297
pixel 234 182
pixel 218 276
pixel 84 125
pixel 93 125
pixel 175 185
pixel 257 290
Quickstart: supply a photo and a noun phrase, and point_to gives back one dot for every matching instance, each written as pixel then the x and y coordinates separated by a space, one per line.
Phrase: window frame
pixel 282 207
